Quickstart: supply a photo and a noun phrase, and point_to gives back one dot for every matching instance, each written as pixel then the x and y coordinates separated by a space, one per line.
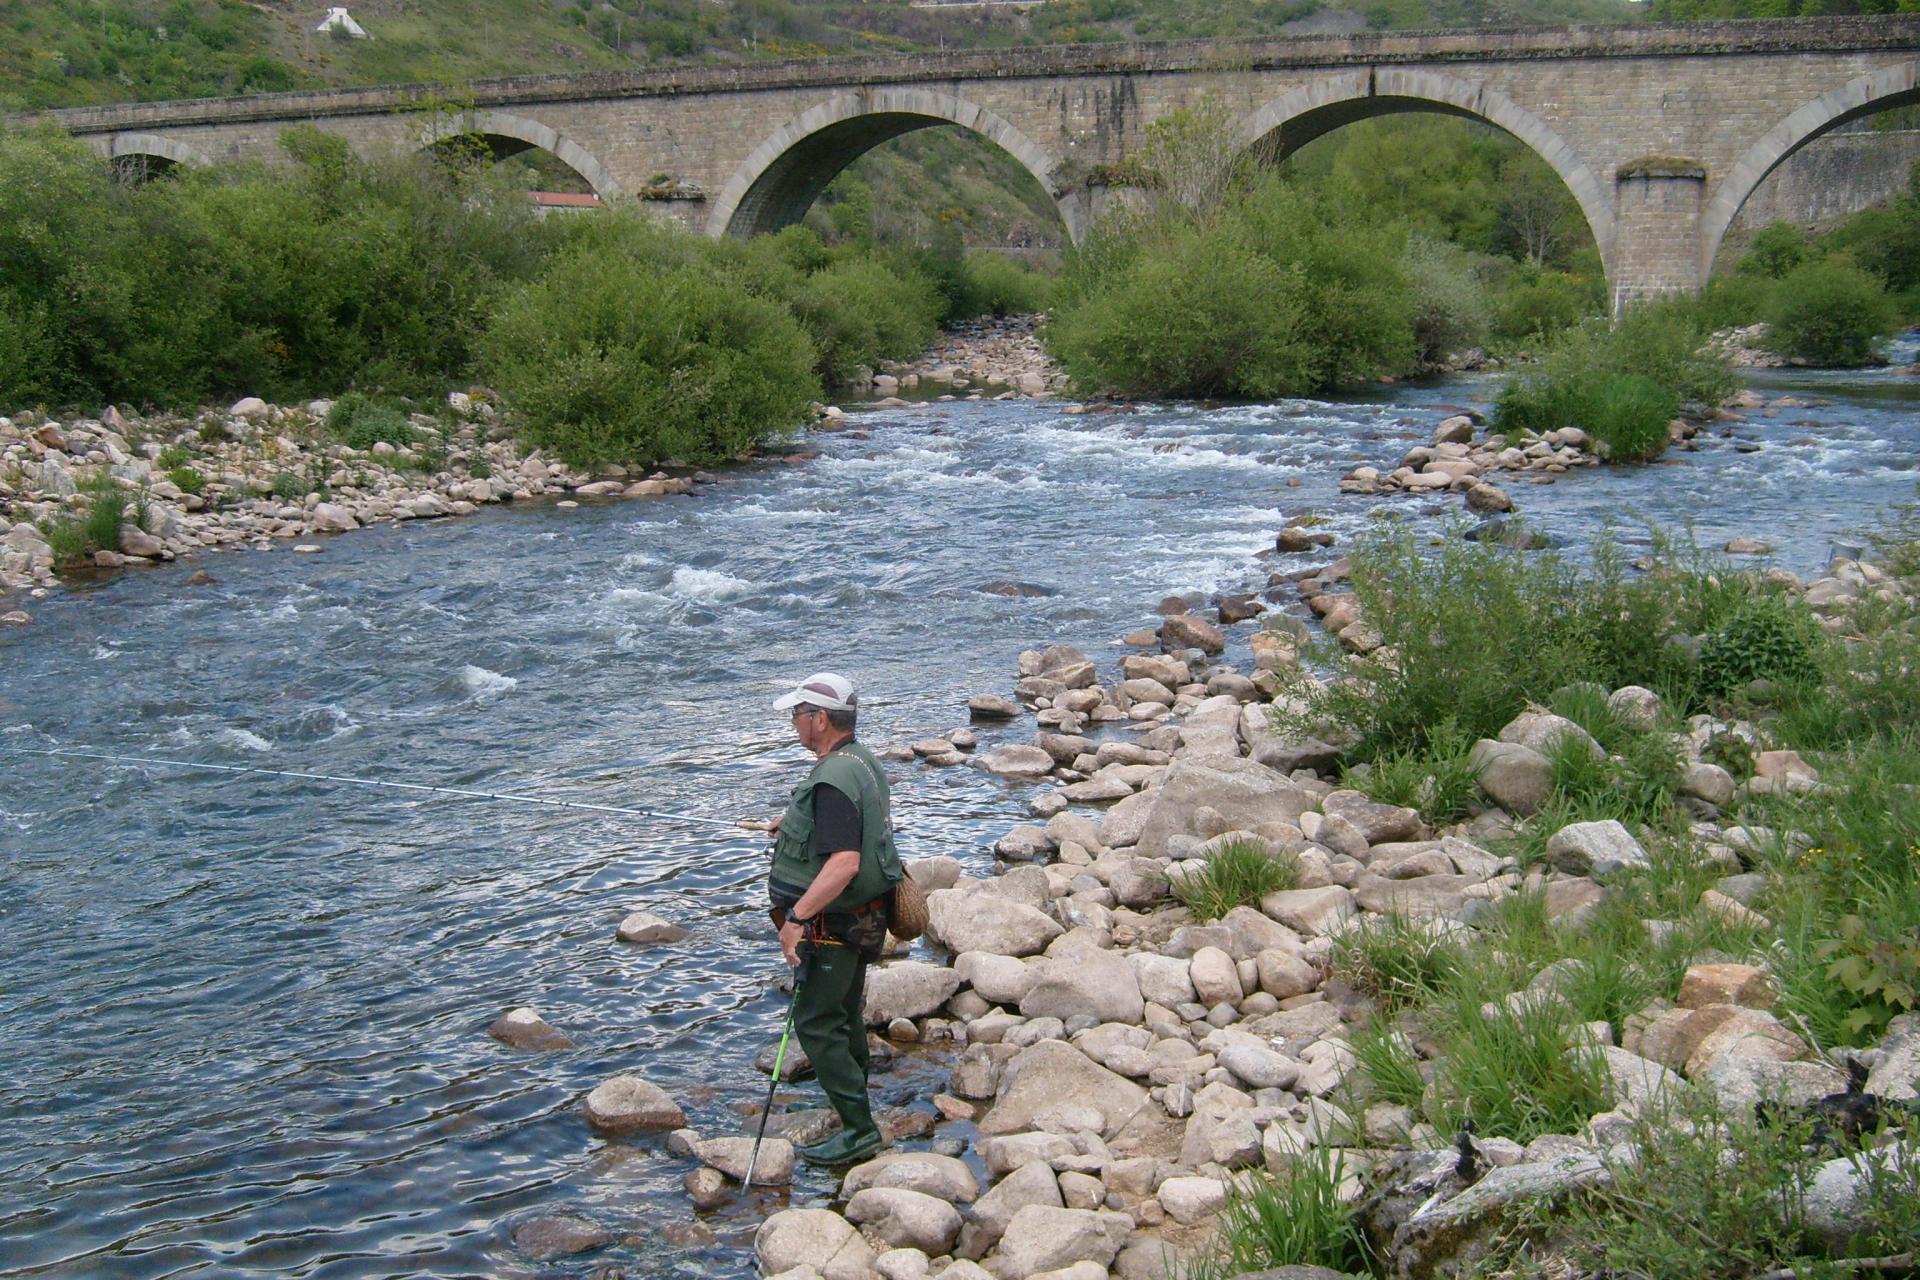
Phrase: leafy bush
pixel 1539 304
pixel 1875 959
pixel 359 422
pixel 1776 250
pixel 289 487
pixel 187 479
pixel 859 313
pixel 996 285
pixel 1616 381
pixel 1450 309
pixel 74 539
pixel 1239 873
pixel 609 359
pixel 1829 314
pixel 1278 292
pixel 1771 637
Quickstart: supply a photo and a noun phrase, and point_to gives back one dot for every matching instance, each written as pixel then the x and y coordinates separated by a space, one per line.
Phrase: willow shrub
pixel 611 358
pixel 1277 292
pixel 1828 313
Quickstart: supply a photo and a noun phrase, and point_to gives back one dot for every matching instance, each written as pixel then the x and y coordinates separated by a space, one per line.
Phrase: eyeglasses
pixel 803 711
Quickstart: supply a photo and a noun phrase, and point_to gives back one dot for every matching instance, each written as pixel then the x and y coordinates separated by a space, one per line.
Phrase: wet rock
pixel 1184 631
pixel 628 1104
pixel 1017 760
pixel 559 1236
pixel 708 1188
pixel 524 1028
pixel 730 1156
pixel 991 706
pixel 1008 587
pixel 643 928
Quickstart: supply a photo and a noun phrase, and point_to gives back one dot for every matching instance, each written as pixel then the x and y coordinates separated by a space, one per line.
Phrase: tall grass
pixel 1239 873
pixel 1297 1216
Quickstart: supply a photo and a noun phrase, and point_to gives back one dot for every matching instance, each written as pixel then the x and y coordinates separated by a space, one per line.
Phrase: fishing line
pixel 461 792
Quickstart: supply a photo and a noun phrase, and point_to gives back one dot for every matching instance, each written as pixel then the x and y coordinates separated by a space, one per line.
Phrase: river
pixel 244 1018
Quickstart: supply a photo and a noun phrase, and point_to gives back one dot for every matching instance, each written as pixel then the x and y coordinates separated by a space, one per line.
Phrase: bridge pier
pixel 1656 249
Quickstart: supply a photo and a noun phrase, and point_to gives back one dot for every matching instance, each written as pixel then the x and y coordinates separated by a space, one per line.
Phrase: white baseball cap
pixel 823 689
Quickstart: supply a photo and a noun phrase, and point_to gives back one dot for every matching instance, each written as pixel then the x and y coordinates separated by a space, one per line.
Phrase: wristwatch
pixel 802 921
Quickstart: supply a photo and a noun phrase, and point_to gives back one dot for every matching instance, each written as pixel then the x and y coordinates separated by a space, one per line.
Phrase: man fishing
pixel 834 864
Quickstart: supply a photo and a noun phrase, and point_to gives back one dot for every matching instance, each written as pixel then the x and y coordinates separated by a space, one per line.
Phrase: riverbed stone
pixel 1039 1238
pixel 1054 1074
pixel 1596 849
pixel 1542 730
pixel 1246 795
pixel 1515 777
pixel 991 706
pixel 1742 984
pixel 968 920
pixel 943 1177
pixel 643 928
pixel 524 1028
pixel 559 1235
pixel 1185 631
pixel 905 1219
pixel 628 1104
pixel 907 989
pixel 818 1238
pixel 730 1156
pixel 1084 982
pixel 1017 760
pixel 1311 913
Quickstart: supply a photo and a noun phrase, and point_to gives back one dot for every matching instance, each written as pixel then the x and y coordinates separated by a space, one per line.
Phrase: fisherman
pixel 834 864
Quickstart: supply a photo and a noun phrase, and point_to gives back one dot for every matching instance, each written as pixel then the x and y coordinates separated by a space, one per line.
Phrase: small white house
pixel 339 21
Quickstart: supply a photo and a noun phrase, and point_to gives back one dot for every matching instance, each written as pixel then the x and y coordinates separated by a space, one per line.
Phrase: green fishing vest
pixel 852 770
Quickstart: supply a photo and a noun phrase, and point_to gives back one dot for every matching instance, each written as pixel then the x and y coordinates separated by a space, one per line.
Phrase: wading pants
pixel 828 1014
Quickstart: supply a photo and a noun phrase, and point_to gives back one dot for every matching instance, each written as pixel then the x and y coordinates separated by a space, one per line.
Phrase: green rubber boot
pixel 845 1147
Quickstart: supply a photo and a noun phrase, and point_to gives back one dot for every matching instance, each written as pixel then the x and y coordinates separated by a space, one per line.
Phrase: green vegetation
pixel 1828 313
pixel 1296 1216
pixel 609 338
pixel 1239 873
pixel 1620 383
pixel 74 539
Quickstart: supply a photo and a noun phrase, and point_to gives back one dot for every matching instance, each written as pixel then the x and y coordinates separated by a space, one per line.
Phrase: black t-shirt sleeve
pixel 836 821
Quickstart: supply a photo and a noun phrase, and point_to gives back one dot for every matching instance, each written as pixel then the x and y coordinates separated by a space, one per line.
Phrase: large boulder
pixel 1165 980
pixel 628 1104
pixel 732 1155
pixel 906 1219
pixel 1596 849
pixel 1017 760
pixel 1517 778
pixel 909 989
pixel 1032 1183
pixel 1897 1073
pixel 998 979
pixel 1084 982
pixel 969 920
pixel 1247 796
pixel 1543 732
pixel 1378 823
pixel 942 1177
pixel 1040 1239
pixel 1312 913
pixel 817 1238
pixel 1053 1074
pixel 1184 631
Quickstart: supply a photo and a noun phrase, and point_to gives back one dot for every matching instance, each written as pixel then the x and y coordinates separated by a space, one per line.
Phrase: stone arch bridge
pixel 1660 132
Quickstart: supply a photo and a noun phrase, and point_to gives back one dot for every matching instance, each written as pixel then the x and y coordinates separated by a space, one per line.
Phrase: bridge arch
pixel 502 130
pixel 1289 122
pixel 146 151
pixel 1894 86
pixel 777 182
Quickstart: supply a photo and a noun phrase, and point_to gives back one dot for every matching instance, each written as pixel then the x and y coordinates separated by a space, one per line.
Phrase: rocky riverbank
pixel 998 358
pixel 1119 1057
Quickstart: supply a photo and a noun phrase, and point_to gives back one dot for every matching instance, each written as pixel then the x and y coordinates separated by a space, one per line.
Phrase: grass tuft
pixel 1239 873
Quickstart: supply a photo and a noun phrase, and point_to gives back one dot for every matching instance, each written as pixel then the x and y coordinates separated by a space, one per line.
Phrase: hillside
pixel 56 53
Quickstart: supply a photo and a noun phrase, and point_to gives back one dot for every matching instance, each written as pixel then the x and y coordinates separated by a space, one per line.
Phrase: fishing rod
pixel 461 792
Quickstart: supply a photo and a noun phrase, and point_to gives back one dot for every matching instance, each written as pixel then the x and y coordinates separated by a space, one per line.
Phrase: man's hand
pixel 791 936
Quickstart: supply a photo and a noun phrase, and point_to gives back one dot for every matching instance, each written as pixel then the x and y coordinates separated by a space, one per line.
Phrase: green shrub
pixel 1514 1074
pixel 1400 963
pixel 996 285
pixel 1829 314
pixel 187 479
pixel 1239 873
pixel 360 422
pixel 172 456
pixel 1391 1067
pixel 74 539
pixel 1450 308
pixel 859 313
pixel 1297 1216
pixel 289 487
pixel 607 359
pixel 1538 304
pixel 1736 300
pixel 1278 292
pixel 1439 779
pixel 1771 638
pixel 1777 249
